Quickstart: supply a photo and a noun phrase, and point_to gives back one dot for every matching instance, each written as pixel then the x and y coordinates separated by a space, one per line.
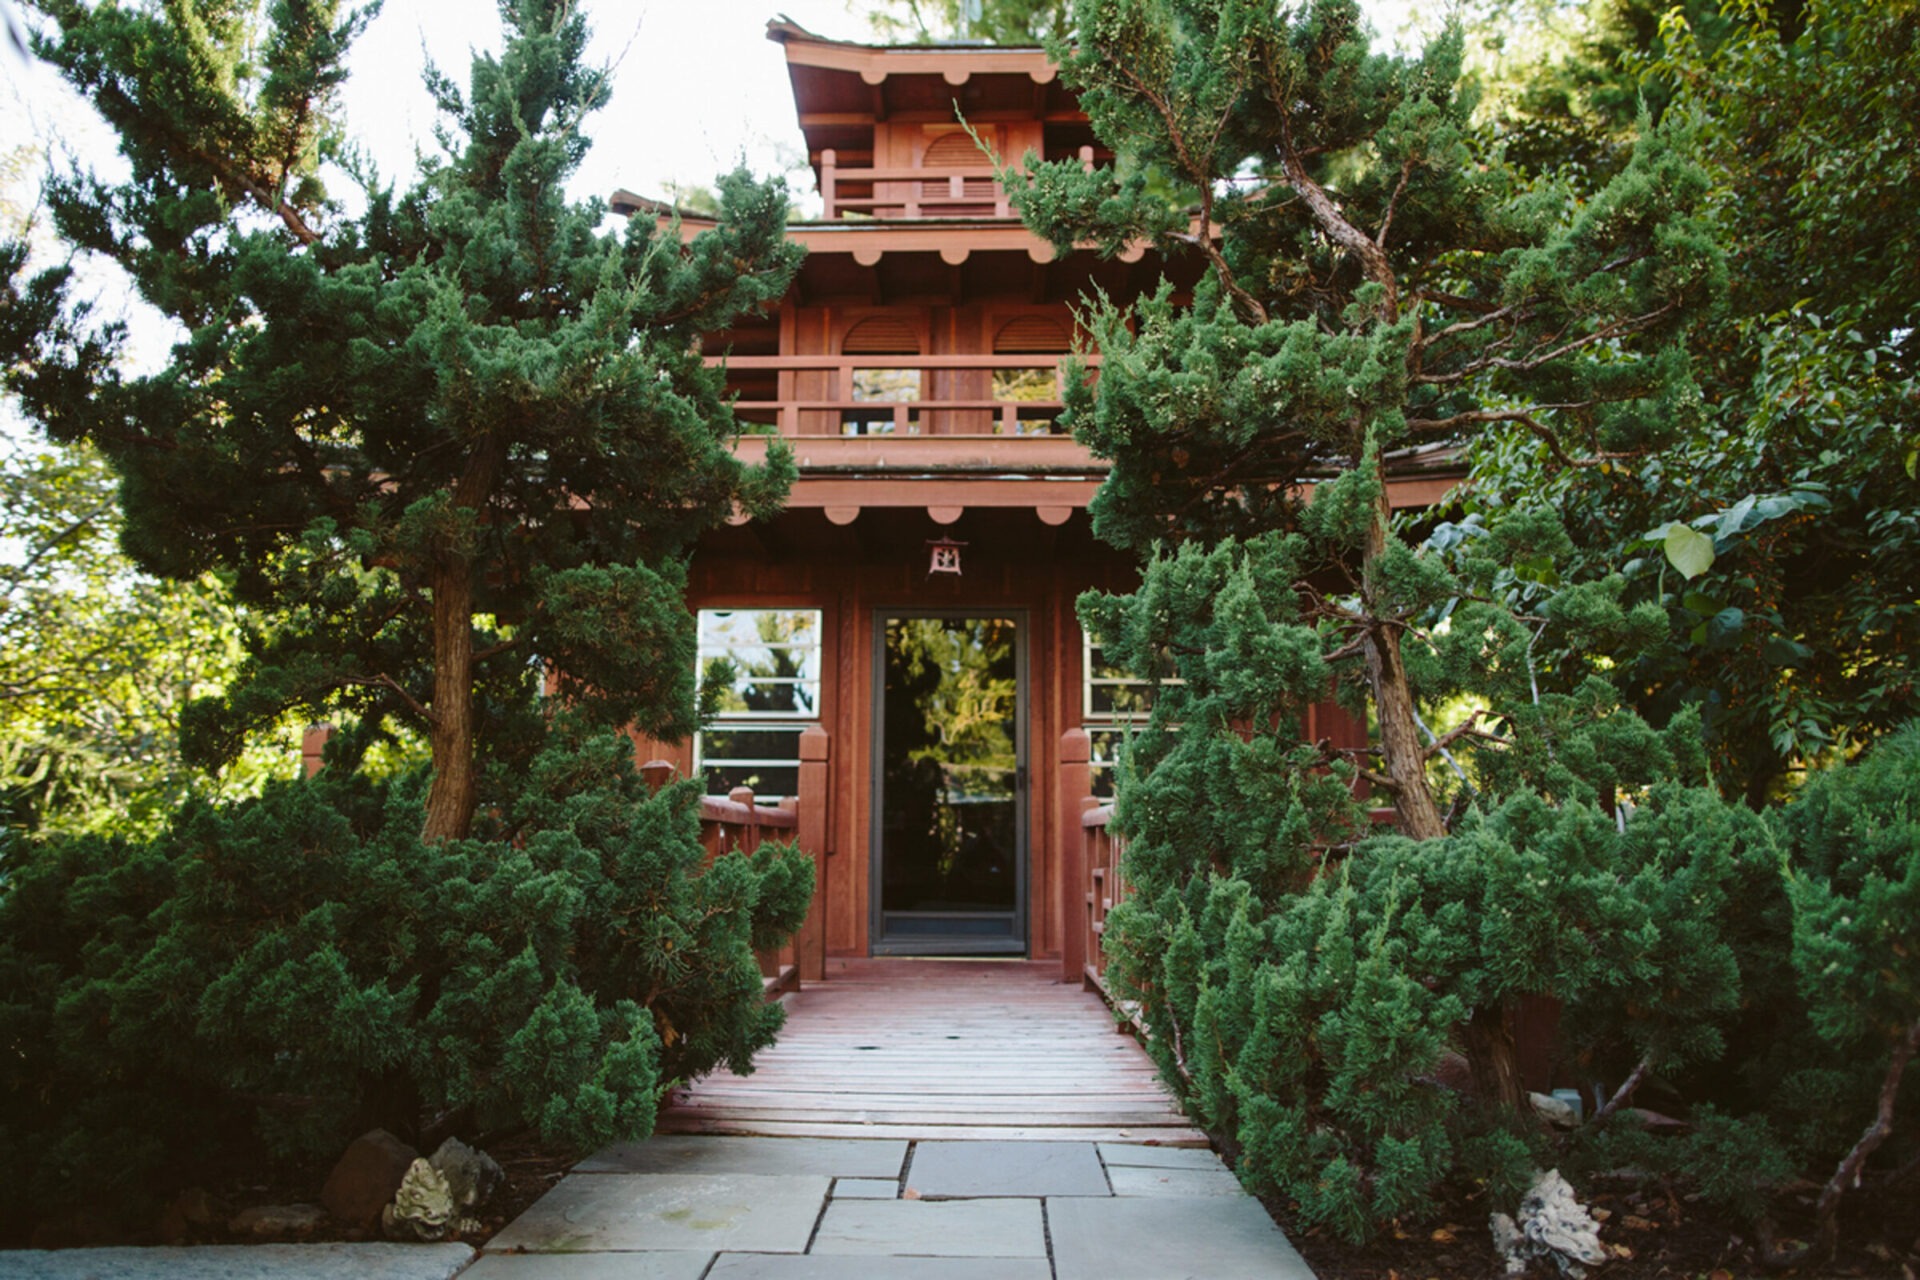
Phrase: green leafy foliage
pixel 430 441
pixel 102 661
pixel 1795 636
pixel 280 973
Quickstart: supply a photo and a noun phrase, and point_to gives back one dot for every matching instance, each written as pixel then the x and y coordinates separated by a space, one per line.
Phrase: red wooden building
pixel 909 671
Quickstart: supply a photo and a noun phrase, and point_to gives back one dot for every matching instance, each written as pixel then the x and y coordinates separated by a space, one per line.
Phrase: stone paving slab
pixel 693 1153
pixel 699 1212
pixel 773 1266
pixel 1136 1155
pixel 1173 1182
pixel 1184 1238
pixel 866 1189
pixel 935 1228
pixel 241 1262
pixel 952 1170
pixel 649 1265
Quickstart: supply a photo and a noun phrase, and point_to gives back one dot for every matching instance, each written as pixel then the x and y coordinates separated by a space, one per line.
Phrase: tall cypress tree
pixel 436 440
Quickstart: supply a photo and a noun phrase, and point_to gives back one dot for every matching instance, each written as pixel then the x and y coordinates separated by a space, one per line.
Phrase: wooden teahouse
pixel 909 673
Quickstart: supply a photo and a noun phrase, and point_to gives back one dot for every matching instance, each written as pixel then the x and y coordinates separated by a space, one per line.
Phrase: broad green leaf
pixel 1725 625
pixel 1688 550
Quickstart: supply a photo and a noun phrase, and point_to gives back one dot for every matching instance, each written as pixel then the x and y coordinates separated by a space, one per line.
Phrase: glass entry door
pixel 949 821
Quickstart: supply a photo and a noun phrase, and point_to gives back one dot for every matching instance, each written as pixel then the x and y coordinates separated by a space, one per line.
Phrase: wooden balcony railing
pixel 952 395
pixel 932 191
pixel 738 823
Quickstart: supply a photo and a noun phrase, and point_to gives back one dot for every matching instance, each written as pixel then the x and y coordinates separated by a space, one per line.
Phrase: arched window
pixel 957 154
pixel 1036 384
pixel 881 335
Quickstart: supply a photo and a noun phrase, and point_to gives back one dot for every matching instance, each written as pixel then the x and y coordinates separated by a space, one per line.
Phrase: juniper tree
pixel 438 439
pixel 1378 279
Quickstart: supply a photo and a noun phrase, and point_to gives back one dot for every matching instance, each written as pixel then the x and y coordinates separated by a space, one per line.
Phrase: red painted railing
pixel 931 191
pixel 953 395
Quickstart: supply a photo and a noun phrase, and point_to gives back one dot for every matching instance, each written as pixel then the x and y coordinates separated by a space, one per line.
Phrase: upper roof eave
pixel 955 63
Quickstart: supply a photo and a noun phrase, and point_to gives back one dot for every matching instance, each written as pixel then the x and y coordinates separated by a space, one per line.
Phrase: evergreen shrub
pixel 1755 972
pixel 269 978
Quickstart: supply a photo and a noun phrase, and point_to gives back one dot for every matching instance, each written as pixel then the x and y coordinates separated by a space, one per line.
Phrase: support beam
pixel 810 944
pixel 1075 782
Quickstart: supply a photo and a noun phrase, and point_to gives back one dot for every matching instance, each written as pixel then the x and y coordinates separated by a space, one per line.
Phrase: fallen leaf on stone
pixel 910 1194
pixel 1600 1215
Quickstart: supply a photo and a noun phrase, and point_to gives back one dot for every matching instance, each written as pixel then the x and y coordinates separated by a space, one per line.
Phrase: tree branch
pixel 383 679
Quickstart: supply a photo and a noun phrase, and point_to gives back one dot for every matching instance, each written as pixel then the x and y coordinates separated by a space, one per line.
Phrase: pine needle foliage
pixel 433 441
pixel 268 979
pixel 1380 279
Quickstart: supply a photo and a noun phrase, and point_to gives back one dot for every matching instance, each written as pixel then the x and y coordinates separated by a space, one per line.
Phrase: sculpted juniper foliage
pixel 282 974
pixel 429 440
pixel 1380 279
pixel 432 444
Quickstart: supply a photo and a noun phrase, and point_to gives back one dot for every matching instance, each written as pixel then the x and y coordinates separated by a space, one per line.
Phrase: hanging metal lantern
pixel 945 556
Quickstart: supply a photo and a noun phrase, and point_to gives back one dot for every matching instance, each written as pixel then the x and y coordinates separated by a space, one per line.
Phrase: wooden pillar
pixel 829 161
pixel 811 943
pixel 313 747
pixel 1076 782
pixel 658 773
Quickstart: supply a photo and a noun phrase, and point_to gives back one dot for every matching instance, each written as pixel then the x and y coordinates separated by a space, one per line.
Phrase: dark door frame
pixel 1015 944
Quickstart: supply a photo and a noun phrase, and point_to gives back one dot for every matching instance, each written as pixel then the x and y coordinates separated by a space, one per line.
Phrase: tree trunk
pixel 1401 752
pixel 1494 1058
pixel 451 799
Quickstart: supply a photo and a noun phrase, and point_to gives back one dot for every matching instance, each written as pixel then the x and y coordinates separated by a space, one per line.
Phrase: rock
pixel 366 1178
pixel 277 1220
pixel 472 1175
pixel 423 1207
pixel 191 1209
pixel 1553 1226
pixel 1555 1111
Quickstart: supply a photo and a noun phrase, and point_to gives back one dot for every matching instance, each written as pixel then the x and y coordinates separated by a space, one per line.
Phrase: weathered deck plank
pixel 925 1049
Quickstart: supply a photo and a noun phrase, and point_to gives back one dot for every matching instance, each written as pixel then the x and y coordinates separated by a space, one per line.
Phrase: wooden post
pixel 811 942
pixel 313 747
pixel 658 773
pixel 1076 781
pixel 828 160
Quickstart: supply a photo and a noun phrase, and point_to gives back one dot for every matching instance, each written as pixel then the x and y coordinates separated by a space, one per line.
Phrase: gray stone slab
pixel 933 1228
pixel 772 1266
pixel 955 1170
pixel 693 1153
pixel 1134 1155
pixel 696 1212
pixel 866 1189
pixel 241 1262
pixel 1186 1238
pixel 1173 1182
pixel 649 1265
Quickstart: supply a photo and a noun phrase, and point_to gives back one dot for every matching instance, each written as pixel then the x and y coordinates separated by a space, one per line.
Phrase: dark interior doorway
pixel 949 806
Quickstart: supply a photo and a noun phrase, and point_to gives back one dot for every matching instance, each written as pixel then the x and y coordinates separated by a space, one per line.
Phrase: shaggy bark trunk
pixel 451 799
pixel 1401 752
pixel 1494 1057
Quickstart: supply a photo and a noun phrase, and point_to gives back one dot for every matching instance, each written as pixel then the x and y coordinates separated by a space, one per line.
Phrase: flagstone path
pixel 917 1121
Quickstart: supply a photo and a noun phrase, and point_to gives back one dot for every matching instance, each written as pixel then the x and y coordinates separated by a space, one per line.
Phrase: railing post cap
pixel 814 743
pixel 741 795
pixel 1076 747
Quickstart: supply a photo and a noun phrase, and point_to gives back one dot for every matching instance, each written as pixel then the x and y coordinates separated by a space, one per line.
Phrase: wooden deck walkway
pixel 929 1049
